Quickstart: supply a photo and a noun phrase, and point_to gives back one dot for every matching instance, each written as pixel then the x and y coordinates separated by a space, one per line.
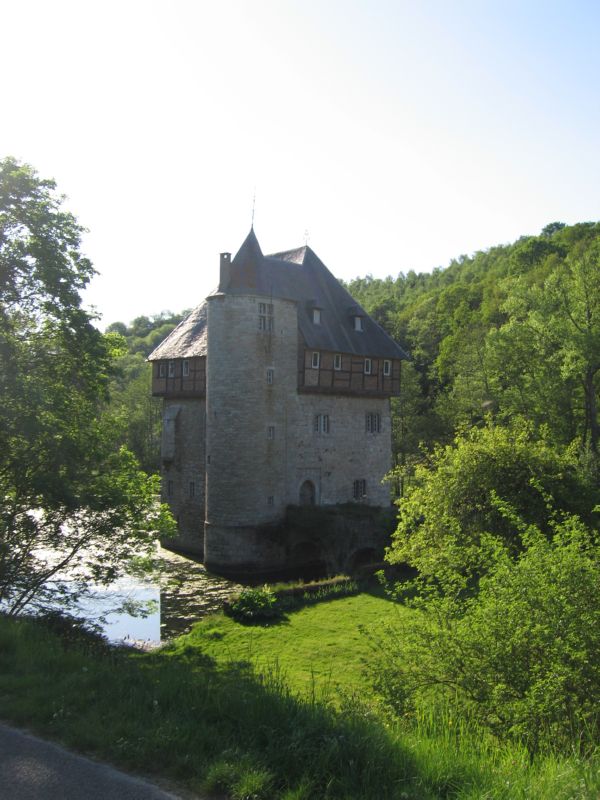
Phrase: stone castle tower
pixel 276 393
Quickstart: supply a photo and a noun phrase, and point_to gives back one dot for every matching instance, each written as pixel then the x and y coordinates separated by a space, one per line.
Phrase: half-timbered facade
pixel 276 392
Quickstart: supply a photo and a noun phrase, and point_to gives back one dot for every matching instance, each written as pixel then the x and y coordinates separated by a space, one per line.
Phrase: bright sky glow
pixel 399 134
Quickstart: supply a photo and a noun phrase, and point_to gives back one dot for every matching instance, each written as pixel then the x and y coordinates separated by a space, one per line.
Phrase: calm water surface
pixel 183 593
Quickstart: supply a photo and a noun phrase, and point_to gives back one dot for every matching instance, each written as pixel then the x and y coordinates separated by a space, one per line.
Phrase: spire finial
pixel 253 207
pixel 306 237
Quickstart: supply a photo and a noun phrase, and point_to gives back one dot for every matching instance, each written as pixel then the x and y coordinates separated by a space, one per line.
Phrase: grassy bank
pixel 195 714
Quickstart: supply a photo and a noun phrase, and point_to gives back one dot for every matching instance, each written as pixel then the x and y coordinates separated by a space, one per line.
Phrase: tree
pixel 71 499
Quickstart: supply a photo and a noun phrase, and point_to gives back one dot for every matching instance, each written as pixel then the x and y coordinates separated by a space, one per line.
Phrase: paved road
pixel 32 769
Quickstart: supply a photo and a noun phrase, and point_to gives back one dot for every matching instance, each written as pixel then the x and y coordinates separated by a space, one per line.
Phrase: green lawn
pixel 318 647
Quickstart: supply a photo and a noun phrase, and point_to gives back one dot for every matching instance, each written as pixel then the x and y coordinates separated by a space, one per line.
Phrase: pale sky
pixel 398 134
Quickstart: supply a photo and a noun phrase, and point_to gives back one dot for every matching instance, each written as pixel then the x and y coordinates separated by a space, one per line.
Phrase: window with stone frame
pixel 321 424
pixel 359 489
pixel 265 317
pixel 372 422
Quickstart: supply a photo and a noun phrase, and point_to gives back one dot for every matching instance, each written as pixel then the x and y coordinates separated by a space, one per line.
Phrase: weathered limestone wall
pixel 347 453
pixel 183 476
pixel 247 419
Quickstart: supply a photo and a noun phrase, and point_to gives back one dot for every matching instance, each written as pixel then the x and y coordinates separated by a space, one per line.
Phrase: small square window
pixel 271 432
pixel 185 368
pixel 321 424
pixel 317 316
pixel 337 361
pixel 367 366
pixel 387 368
pixel 358 324
pixel 270 375
pixel 162 370
pixel 316 360
pixel 171 369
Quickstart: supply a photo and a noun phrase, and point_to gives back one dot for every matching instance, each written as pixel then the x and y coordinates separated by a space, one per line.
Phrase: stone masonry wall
pixel 183 473
pixel 334 460
pixel 246 417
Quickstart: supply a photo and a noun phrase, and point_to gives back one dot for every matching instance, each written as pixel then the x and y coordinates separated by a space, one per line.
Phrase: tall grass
pixel 222 728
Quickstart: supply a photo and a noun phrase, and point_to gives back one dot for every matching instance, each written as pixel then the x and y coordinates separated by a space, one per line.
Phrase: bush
pixel 521 657
pixel 254 605
pixel 445 516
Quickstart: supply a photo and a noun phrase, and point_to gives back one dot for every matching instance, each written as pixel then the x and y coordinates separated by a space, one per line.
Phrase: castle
pixel 276 393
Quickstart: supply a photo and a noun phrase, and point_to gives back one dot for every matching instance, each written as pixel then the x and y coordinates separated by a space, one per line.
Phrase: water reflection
pixel 182 593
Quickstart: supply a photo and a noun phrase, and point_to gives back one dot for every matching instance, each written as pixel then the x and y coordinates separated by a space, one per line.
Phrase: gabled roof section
pixel 187 340
pixel 297 275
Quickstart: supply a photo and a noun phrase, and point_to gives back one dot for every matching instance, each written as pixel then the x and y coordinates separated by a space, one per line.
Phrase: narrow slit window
pixel 359 489
pixel 192 488
pixel 373 422
pixel 316 360
pixel 271 432
pixel 270 375
pixel 270 500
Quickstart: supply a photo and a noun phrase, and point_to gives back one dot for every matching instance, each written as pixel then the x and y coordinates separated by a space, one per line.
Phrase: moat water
pixel 181 593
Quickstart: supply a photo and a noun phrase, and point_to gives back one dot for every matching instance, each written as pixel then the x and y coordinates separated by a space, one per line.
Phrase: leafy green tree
pixel 451 508
pixel 71 499
pixel 519 657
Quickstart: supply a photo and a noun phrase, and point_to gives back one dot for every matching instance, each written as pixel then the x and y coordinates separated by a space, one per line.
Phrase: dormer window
pixel 358 324
pixel 316 316
pixel 387 368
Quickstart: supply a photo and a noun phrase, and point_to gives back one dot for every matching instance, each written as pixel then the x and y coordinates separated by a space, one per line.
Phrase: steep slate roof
pixel 187 340
pixel 297 275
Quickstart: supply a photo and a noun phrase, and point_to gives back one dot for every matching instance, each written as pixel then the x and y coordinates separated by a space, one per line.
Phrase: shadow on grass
pixel 178 715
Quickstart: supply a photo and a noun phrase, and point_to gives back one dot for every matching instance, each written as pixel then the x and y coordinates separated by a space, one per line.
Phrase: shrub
pixel 521 657
pixel 254 605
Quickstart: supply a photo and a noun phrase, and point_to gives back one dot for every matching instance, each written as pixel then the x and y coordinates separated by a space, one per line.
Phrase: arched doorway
pixel 307 494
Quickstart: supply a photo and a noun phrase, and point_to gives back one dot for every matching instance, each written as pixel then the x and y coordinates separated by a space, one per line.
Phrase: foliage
pixel 254 605
pixel 520 656
pixel 457 499
pixel 70 496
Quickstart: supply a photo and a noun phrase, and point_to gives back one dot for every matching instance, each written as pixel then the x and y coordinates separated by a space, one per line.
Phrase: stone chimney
pixel 225 271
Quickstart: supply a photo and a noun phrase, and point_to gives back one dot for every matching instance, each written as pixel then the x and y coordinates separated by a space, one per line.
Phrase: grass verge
pixel 301 728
